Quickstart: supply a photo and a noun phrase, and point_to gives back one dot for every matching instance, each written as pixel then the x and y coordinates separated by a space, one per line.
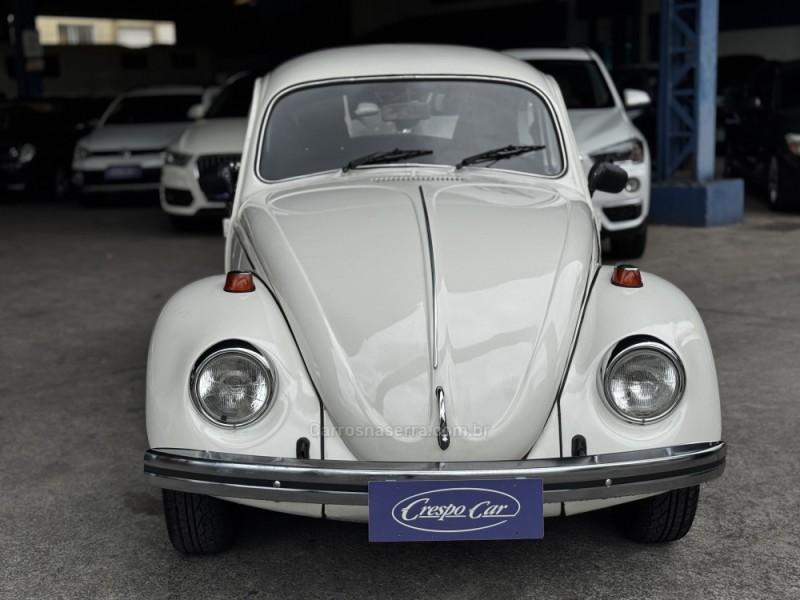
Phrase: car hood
pixel 353 266
pixel 596 129
pixel 214 136
pixel 132 137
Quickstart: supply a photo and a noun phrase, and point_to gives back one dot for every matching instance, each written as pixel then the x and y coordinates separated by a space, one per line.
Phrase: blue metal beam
pixel 687 89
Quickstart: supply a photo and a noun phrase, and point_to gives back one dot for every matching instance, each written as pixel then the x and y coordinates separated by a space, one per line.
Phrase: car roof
pixel 574 53
pixel 375 60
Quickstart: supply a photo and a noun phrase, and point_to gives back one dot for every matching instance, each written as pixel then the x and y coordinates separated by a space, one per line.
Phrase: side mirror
pixel 753 103
pixel 607 177
pixel 220 186
pixel 196 111
pixel 636 98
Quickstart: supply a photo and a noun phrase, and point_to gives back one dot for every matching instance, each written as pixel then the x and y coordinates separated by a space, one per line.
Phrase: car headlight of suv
pixel 233 386
pixel 631 150
pixel 178 159
pixel 81 153
pixel 642 380
pixel 793 142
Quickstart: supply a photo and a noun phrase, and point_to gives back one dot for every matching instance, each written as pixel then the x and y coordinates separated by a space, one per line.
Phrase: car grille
pixel 98 178
pixel 125 152
pixel 208 168
pixel 623 213
pixel 175 197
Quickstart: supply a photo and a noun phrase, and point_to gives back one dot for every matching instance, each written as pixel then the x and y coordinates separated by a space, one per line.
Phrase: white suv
pixel 604 132
pixel 191 185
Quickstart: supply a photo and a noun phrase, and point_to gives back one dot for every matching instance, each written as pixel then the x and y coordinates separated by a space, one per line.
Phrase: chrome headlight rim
pixel 241 349
pixel 625 349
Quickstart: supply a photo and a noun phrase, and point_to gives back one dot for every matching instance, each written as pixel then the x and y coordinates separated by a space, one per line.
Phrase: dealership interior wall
pixel 233 35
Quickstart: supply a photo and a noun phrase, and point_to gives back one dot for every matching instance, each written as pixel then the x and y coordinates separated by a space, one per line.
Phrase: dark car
pixel 763 134
pixel 37 137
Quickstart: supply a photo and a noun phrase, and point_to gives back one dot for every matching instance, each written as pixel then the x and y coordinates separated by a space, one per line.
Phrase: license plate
pixel 123 172
pixel 407 511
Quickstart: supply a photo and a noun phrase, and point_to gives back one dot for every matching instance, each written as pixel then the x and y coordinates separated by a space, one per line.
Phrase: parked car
pixel 733 71
pixel 37 137
pixel 415 328
pixel 642 76
pixel 763 134
pixel 605 133
pixel 125 150
pixel 190 180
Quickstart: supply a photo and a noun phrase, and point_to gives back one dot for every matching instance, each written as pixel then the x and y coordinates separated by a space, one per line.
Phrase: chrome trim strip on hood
pixel 595 477
pixel 434 305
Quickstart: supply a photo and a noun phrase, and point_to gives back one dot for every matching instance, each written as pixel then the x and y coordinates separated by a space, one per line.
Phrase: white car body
pixel 418 320
pixel 128 156
pixel 187 189
pixel 624 214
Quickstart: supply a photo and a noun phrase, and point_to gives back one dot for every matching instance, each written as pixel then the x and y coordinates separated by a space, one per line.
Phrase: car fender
pixel 657 309
pixel 198 317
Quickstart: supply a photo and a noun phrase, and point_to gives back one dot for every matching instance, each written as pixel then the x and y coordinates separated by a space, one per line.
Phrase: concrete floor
pixel 80 290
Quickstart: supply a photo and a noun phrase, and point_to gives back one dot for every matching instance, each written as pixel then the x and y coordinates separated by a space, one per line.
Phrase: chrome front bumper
pixel 345 482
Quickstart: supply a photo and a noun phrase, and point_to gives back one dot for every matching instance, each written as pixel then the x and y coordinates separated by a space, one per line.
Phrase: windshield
pixel 413 121
pixel 135 110
pixel 233 101
pixel 581 82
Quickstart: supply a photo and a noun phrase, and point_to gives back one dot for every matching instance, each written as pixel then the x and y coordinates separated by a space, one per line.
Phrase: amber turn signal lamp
pixel 626 276
pixel 238 282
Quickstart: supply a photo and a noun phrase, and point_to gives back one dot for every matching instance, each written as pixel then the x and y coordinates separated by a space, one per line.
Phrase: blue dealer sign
pixel 403 511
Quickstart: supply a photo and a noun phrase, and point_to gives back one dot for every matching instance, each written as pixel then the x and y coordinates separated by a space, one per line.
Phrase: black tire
pixel 776 195
pixel 629 245
pixel 663 518
pixel 199 524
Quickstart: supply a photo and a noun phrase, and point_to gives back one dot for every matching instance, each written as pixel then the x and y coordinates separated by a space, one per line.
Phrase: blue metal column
pixel 685 192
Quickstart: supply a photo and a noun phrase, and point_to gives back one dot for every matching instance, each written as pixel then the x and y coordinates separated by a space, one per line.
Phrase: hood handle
pixel 443 432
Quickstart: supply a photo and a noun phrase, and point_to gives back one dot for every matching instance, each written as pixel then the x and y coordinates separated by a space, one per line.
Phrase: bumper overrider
pixel 345 482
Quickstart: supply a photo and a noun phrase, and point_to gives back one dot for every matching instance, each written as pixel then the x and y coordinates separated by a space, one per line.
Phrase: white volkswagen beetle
pixel 416 329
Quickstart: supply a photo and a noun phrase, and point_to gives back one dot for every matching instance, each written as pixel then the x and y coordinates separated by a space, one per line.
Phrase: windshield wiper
pixel 384 157
pixel 498 154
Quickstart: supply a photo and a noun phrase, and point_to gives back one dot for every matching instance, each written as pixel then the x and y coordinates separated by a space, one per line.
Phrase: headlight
pixel 177 159
pixel 793 141
pixel 643 381
pixel 632 150
pixel 81 153
pixel 23 153
pixel 233 387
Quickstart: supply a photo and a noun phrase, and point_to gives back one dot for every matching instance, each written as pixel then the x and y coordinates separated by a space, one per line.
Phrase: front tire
pixel 658 519
pixel 199 524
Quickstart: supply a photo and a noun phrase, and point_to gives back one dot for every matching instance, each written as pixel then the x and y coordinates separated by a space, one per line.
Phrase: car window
pixel 233 101
pixel 323 128
pixel 581 81
pixel 132 110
